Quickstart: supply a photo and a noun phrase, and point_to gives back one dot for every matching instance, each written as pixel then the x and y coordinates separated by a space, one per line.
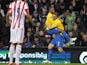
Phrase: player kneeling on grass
pixel 58 29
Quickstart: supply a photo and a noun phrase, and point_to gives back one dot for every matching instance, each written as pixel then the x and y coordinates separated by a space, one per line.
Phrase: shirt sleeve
pixel 26 9
pixel 10 8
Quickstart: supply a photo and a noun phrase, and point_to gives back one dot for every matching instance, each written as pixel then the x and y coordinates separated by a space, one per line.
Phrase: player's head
pixel 51 9
pixel 55 15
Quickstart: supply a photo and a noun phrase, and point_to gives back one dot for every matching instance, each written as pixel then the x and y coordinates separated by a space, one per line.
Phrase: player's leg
pixel 18 52
pixel 49 55
pixel 12 46
pixel 66 36
pixel 11 53
pixel 19 40
pixel 62 52
pixel 50 51
pixel 52 31
pixel 50 46
pixel 56 30
pixel 59 45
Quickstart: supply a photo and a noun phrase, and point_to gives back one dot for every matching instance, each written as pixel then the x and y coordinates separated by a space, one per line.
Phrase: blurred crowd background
pixel 73 12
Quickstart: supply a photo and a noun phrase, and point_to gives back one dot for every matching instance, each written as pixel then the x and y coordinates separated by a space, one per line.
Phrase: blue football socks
pixel 50 52
pixel 64 54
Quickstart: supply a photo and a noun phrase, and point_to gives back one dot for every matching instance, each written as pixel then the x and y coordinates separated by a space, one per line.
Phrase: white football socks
pixel 18 52
pixel 11 53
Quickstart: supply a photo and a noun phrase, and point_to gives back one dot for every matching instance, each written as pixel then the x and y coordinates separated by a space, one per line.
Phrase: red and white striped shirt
pixel 18 11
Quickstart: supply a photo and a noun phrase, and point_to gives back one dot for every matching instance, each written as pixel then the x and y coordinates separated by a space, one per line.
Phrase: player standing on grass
pixel 17 10
pixel 55 28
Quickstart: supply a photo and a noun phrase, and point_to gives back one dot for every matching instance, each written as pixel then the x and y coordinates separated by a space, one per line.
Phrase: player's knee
pixel 60 49
pixel 19 43
pixel 60 30
pixel 12 45
pixel 50 46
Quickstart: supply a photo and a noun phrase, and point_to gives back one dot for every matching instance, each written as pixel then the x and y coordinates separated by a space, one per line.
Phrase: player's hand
pixel 34 24
pixel 6 25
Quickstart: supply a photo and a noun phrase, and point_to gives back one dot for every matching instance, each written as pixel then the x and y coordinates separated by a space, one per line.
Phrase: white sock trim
pixel 18 52
pixel 11 53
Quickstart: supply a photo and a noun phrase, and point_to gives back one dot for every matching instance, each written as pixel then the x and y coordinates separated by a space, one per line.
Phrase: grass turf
pixel 46 64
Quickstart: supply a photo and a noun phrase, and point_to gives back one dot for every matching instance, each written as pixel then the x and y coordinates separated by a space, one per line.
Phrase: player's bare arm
pixel 7 19
pixel 30 19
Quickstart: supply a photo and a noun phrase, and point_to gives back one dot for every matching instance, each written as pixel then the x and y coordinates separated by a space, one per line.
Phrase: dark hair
pixel 51 7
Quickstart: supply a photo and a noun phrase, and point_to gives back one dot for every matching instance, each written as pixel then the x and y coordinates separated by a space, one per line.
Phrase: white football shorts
pixel 16 35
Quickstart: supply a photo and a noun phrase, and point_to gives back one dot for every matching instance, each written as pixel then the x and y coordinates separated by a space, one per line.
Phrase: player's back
pixel 18 13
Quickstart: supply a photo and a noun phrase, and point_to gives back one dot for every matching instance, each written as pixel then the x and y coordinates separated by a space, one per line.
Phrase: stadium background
pixel 74 14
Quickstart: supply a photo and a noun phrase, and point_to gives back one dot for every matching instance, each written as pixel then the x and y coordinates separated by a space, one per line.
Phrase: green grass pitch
pixel 47 64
